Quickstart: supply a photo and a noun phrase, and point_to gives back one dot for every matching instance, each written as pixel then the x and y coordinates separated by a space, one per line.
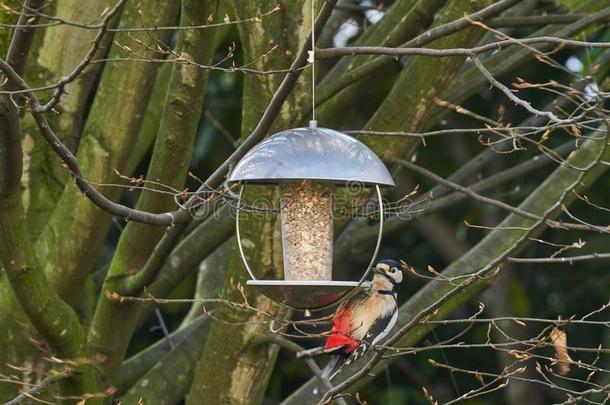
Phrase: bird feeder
pixel 307 164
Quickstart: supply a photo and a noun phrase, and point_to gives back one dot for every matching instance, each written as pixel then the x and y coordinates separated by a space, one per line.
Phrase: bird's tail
pixel 336 362
pixel 334 366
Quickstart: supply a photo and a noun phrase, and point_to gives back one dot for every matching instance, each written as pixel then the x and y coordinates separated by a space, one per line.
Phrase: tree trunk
pixel 70 242
pixel 169 165
pixel 62 49
pixel 52 319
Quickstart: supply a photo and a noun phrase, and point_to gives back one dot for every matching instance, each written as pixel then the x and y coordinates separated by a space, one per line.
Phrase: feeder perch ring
pixel 308 295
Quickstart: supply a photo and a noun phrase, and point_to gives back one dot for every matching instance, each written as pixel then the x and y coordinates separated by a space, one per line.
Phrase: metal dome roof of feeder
pixel 311 154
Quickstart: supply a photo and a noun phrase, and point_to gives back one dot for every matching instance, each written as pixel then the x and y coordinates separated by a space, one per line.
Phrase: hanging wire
pixel 312 60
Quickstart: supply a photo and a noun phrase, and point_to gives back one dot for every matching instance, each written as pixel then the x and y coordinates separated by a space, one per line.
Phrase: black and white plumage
pixel 362 321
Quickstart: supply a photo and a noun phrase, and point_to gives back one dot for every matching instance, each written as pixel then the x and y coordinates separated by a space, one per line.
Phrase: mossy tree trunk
pixel 62 49
pixel 169 165
pixel 69 243
pixel 51 318
pixel 107 142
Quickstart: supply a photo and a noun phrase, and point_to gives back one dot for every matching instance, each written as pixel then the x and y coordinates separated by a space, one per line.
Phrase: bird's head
pixel 388 272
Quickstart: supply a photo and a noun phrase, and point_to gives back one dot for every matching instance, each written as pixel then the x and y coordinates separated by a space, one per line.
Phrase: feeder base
pixel 305 295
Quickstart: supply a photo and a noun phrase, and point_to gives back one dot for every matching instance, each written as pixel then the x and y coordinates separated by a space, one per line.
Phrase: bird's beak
pixel 377 270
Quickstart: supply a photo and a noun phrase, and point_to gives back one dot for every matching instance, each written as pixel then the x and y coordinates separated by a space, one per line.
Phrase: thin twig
pixel 37 389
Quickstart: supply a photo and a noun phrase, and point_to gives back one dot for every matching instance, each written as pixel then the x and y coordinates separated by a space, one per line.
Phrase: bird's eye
pixel 393 270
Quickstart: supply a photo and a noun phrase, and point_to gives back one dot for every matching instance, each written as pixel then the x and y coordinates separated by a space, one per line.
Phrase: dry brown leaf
pixel 560 343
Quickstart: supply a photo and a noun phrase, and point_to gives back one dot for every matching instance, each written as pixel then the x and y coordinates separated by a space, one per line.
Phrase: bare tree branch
pixel 326 92
pixel 22 38
pixel 42 386
pixel 328 53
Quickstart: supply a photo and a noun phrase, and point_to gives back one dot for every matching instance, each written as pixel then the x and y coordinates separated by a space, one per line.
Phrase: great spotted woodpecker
pixel 362 321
